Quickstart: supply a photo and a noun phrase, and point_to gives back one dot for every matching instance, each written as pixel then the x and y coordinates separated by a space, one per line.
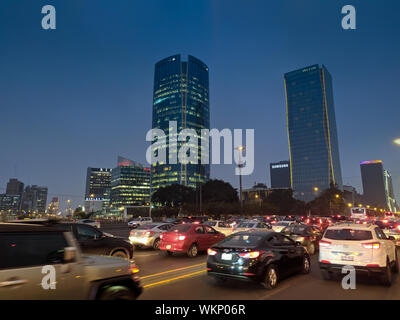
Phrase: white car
pixel 139 222
pixel 279 226
pixel 252 226
pixel 220 226
pixel 363 246
pixel 90 222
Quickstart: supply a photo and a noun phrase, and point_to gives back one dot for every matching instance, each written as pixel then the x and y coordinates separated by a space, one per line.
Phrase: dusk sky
pixel 81 95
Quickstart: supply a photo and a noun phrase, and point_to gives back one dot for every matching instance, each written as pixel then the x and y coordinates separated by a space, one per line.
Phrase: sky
pixel 81 95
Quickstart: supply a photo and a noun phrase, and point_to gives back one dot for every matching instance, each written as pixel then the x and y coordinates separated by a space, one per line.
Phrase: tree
pixel 281 201
pixel 330 201
pixel 218 191
pixel 175 195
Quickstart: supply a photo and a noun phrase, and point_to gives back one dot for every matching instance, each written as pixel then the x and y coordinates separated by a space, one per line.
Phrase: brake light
pixel 325 261
pixel 250 255
pixel 371 245
pixel 372 265
pixel 181 238
pixel 196 222
pixel 211 252
pixel 161 236
pixel 324 243
pixel 385 221
pixel 148 233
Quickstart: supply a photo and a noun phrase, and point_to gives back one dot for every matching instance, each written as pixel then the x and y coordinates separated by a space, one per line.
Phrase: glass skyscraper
pixel 181 94
pixel 312 135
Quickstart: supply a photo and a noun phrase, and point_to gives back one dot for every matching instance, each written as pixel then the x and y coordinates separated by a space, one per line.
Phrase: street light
pixel 397 141
pixel 349 205
pixel 337 196
pixel 240 165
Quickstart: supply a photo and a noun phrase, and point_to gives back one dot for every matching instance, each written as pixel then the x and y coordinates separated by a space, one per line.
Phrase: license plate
pixel 226 256
pixel 348 258
pixel 168 246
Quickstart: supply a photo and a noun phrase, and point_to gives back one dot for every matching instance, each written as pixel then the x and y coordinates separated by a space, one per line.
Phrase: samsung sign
pixel 278 166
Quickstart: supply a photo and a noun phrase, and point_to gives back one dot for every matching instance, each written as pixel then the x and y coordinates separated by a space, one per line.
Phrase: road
pixel 182 278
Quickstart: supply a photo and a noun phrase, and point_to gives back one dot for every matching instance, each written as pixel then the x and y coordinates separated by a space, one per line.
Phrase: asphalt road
pixel 182 278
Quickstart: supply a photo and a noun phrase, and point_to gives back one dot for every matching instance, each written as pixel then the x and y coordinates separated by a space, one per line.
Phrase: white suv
pixel 363 246
pixel 139 221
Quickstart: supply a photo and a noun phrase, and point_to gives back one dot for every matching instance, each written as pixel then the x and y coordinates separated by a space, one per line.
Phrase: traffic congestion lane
pixel 298 287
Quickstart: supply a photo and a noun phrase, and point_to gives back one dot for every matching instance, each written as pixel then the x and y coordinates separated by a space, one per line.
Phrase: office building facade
pixel 34 199
pixel 312 134
pixel 130 184
pixel 15 187
pixel 181 94
pixel 98 189
pixel 280 175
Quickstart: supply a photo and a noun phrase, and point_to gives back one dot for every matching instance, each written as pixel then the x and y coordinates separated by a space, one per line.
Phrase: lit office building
pixel 280 175
pixel 98 189
pixel 181 94
pixel 311 125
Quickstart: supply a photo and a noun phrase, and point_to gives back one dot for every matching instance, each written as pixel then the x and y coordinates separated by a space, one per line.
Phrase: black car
pixel 93 241
pixel 307 236
pixel 260 256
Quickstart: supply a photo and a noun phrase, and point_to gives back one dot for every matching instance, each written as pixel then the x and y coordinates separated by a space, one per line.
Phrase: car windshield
pixel 246 225
pixel 211 223
pixel 148 226
pixel 296 229
pixel 348 234
pixel 240 241
pixel 182 228
pixel 282 223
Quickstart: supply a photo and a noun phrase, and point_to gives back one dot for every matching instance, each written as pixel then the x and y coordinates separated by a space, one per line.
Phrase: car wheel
pixel 117 293
pixel 387 275
pixel 396 263
pixel 156 244
pixel 311 248
pixel 193 251
pixel 326 275
pixel 306 265
pixel 270 277
pixel 120 254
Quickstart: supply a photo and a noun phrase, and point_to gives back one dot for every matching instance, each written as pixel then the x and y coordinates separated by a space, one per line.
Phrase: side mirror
pixel 69 254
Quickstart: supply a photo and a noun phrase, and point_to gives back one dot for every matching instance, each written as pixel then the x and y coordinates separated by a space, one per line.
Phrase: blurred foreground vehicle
pixel 307 236
pixel 90 222
pixel 148 235
pixel 30 252
pixel 363 246
pixel 264 257
pixel 189 238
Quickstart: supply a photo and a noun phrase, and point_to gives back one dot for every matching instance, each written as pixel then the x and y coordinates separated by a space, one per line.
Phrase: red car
pixel 189 238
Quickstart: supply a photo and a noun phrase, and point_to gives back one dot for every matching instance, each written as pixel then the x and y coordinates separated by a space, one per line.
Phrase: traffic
pixel 135 260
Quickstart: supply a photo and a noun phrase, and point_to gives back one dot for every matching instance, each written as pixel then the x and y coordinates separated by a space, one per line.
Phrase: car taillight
pixel 149 233
pixel 324 243
pixel 211 252
pixel 181 238
pixel 371 245
pixel 250 255
pixel 133 268
pixel 161 236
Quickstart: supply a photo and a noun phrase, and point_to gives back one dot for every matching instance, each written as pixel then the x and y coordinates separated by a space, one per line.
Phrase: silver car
pixel 148 235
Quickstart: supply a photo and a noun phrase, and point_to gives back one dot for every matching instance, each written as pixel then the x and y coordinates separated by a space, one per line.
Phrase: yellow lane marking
pixel 173 270
pixel 172 279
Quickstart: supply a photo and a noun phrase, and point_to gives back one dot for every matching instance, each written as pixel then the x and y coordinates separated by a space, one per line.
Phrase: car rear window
pixel 241 241
pixel 147 226
pixel 180 228
pixel 348 234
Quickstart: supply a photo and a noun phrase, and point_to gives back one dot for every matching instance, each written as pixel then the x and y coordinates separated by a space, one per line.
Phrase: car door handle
pixel 11 283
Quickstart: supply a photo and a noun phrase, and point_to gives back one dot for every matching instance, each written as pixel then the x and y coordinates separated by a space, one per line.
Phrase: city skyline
pixel 59 101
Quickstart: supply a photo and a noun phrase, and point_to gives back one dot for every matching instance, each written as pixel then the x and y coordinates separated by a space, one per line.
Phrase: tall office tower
pixel 98 189
pixel 15 187
pixel 280 175
pixel 34 199
pixel 181 94
pixel 312 135
pixel 390 198
pixel 130 184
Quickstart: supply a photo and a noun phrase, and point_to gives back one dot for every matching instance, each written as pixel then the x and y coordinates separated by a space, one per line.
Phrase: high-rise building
pixel 14 187
pixel 34 199
pixel 130 184
pixel 181 94
pixel 98 189
pixel 377 185
pixel 312 135
pixel 10 204
pixel 280 175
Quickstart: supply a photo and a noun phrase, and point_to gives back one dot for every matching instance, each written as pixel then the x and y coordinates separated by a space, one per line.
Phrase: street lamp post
pixel 240 165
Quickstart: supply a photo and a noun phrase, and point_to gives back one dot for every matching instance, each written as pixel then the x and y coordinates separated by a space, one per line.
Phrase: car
pixel 220 226
pixel 253 226
pixel 308 236
pixel 30 252
pixel 363 246
pixel 148 235
pixel 261 256
pixel 189 238
pixel 277 227
pixel 139 221
pixel 90 222
pixel 94 241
